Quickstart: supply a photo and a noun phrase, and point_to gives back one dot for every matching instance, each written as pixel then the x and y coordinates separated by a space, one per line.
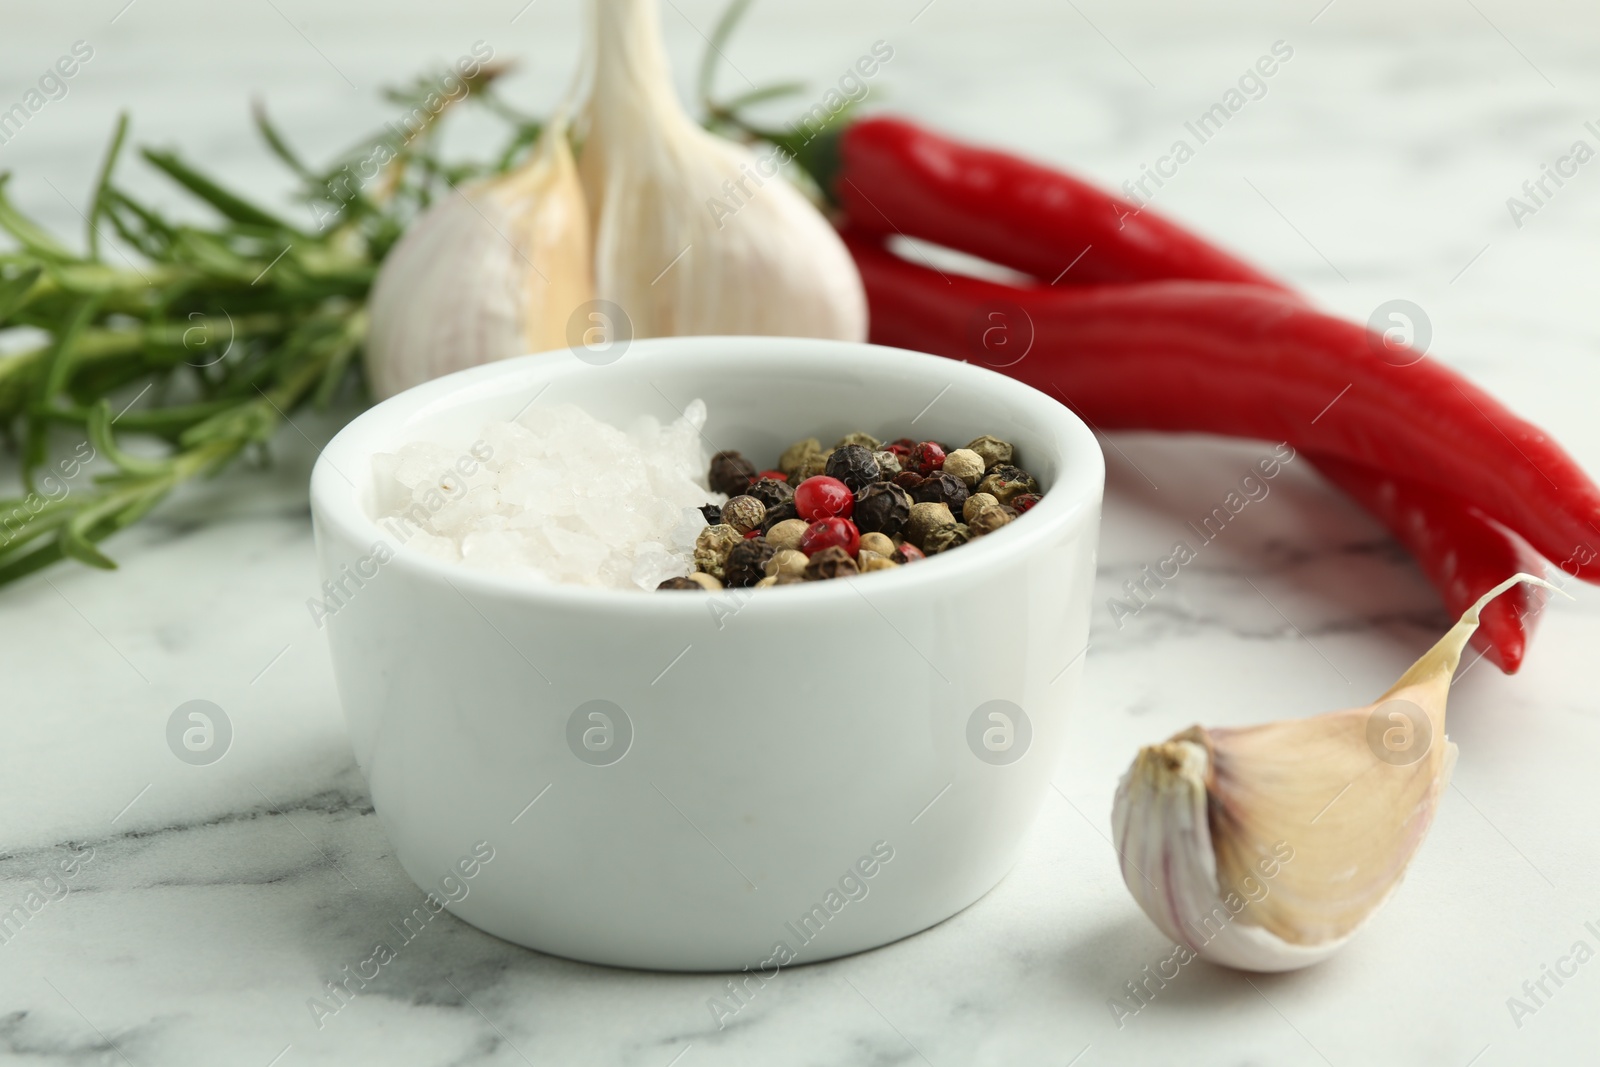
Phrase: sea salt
pixel 558 495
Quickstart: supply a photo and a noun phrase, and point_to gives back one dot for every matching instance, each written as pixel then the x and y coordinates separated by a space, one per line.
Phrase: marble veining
pixel 210 906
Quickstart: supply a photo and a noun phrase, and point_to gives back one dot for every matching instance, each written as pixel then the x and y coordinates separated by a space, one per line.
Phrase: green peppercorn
pixel 833 562
pixel 853 465
pixel 865 440
pixel 1004 482
pixel 814 464
pixel 787 533
pixel 965 464
pixel 976 503
pixel 730 473
pixel 787 561
pixel 795 455
pixel 943 538
pixel 991 450
pixel 924 518
pixel 680 583
pixel 744 513
pixel 771 491
pixel 882 507
pixel 941 486
pixel 711 549
pixel 747 562
pixel 888 465
pixel 989 519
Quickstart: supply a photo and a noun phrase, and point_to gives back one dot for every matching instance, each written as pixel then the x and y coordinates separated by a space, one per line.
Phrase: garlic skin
pixel 765 262
pixel 1267 848
pixel 494 270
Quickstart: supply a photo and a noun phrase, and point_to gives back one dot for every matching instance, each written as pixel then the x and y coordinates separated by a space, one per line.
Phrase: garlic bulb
pixel 494 270
pixel 694 234
pixel 1266 848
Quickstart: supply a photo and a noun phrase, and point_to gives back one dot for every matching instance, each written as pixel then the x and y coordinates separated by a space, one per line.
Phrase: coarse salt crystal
pixel 557 494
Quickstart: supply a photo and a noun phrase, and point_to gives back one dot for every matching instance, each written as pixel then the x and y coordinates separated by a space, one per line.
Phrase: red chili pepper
pixel 1244 361
pixel 896 177
pixel 1462 551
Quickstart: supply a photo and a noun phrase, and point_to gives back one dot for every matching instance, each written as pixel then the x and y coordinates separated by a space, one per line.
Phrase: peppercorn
pixel 853 465
pixel 882 507
pixel 991 450
pixel 705 581
pixel 747 562
pixel 965 464
pixel 679 583
pixel 908 479
pixel 832 562
pixel 763 583
pixel 814 464
pixel 793 456
pixel 989 519
pixel 904 444
pixel 828 533
pixel 1004 482
pixel 924 518
pixel 1023 501
pixel 869 561
pixel 770 491
pixel 882 544
pixel 711 548
pixel 788 579
pixel 976 503
pixel 865 440
pixel 712 512
pixel 822 496
pixel 777 513
pixel 942 486
pixel 731 473
pixel 786 561
pixel 907 553
pixel 888 465
pixel 927 457
pixel 943 538
pixel 744 513
pixel 775 475
pixel 787 534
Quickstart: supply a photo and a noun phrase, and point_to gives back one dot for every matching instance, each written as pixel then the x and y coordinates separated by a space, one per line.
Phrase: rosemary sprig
pixel 211 336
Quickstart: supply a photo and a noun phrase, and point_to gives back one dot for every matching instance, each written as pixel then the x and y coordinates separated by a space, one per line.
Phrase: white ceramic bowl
pixel 805 771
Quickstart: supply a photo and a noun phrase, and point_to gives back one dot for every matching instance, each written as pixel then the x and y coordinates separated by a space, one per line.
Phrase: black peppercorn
pixel 712 512
pixel 747 563
pixel 882 507
pixel 777 513
pixel 731 473
pixel 942 487
pixel 679 583
pixel 833 562
pixel 853 465
pixel 770 491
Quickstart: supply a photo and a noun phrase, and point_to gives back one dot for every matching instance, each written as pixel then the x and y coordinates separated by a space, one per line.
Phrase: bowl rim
pixel 335 501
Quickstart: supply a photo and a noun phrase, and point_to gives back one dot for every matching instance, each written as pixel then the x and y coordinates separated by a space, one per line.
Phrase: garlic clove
pixel 494 270
pixel 693 233
pixel 1268 847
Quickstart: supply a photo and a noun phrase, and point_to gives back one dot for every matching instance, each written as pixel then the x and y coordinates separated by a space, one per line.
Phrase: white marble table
pixel 210 902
